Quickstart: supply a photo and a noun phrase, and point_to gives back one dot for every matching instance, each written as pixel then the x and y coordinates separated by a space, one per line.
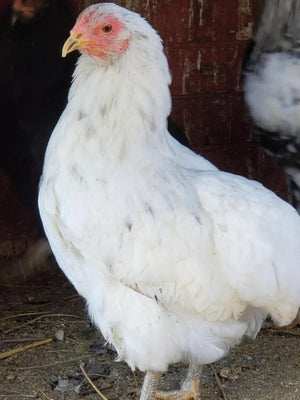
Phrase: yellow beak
pixel 70 45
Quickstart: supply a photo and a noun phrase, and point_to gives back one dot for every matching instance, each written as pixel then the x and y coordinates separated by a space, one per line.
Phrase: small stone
pixel 230 373
pixel 11 376
pixel 60 335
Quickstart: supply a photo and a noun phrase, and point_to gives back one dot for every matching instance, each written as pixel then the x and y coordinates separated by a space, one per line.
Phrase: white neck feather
pixel 127 101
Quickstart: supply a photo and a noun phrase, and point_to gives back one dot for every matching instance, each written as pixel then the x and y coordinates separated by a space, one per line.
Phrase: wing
pixel 239 247
pixel 257 236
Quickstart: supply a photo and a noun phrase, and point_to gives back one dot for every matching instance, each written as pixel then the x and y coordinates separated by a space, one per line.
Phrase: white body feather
pixel 177 260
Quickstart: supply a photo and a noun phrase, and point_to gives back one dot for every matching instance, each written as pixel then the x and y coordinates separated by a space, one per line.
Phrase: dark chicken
pixel 33 84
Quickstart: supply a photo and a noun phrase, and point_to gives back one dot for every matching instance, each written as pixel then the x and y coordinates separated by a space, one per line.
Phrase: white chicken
pixel 272 87
pixel 177 260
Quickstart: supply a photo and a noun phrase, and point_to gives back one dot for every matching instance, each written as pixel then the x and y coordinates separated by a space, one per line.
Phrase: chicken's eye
pixel 107 28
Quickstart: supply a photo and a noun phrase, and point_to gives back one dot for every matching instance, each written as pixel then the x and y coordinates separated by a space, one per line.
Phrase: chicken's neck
pixel 125 108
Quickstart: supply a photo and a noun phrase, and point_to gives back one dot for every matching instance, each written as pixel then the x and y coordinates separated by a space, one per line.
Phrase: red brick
pixel 205 68
pixel 212 119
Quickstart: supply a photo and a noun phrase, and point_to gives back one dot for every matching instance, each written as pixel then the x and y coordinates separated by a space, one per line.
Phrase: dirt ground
pixel 49 308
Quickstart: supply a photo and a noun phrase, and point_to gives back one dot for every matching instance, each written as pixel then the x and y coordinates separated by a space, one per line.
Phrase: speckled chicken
pixel 177 260
pixel 272 87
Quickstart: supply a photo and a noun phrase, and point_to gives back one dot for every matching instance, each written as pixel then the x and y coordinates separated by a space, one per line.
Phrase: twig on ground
pixel 219 383
pixel 23 396
pixel 40 391
pixel 92 384
pixel 53 364
pixel 284 332
pixel 15 340
pixel 24 348
pixel 40 317
pixel 28 314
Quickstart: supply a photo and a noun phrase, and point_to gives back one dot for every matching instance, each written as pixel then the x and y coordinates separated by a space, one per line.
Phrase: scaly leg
pixel 190 389
pixel 150 385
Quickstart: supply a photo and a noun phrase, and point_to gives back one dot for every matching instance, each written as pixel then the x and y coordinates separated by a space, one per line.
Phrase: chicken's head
pixel 98 32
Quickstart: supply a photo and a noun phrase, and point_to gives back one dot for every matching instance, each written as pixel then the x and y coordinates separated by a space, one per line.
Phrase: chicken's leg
pixel 150 385
pixel 190 389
